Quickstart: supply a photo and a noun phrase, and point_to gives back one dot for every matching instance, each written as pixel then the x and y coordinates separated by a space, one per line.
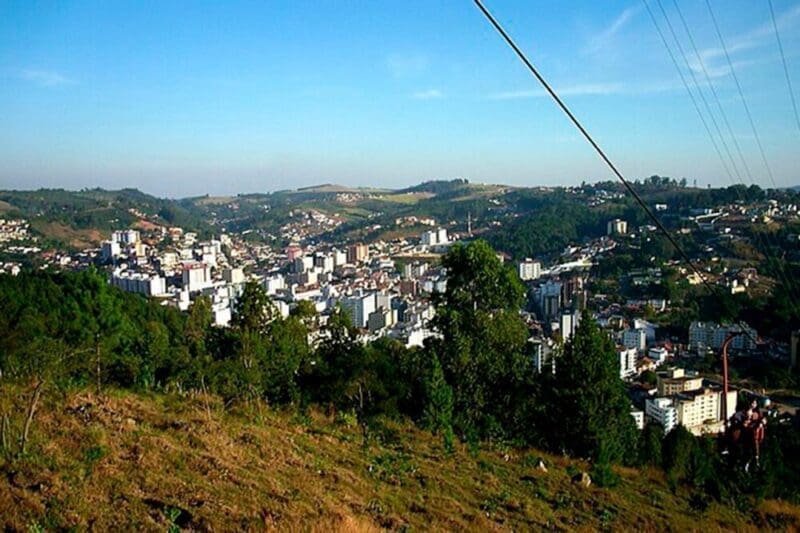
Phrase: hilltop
pixel 123 460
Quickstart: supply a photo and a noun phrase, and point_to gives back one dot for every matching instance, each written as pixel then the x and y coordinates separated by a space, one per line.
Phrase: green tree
pixel 587 406
pixel 254 310
pixel 438 412
pixel 651 445
pixel 481 349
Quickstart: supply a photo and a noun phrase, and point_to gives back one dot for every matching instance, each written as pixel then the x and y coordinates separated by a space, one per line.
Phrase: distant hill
pixel 81 218
pixel 438 186
pixel 333 188
pixel 125 461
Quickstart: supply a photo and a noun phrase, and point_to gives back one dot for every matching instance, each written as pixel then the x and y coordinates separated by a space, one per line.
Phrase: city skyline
pixel 182 100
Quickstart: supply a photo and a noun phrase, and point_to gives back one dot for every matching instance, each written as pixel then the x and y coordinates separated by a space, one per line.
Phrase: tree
pixel 254 310
pixel 481 349
pixel 197 325
pixel 99 320
pixel 651 445
pixel 438 412
pixel 588 411
pixel 328 376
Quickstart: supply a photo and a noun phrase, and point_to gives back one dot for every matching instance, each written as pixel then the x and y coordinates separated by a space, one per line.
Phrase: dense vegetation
pixel 473 383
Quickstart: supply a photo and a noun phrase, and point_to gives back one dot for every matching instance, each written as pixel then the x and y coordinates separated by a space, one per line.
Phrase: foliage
pixel 587 403
pixel 481 349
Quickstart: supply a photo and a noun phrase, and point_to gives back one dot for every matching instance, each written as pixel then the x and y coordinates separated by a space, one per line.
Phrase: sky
pixel 189 98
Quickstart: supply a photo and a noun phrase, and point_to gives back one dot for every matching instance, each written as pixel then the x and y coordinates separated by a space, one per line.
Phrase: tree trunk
pixel 31 411
pixel 98 370
pixel 4 432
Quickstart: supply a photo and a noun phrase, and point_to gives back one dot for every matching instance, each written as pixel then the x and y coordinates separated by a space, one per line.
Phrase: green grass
pixel 152 462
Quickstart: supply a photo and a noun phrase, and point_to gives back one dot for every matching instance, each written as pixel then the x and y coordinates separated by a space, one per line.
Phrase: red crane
pixel 750 423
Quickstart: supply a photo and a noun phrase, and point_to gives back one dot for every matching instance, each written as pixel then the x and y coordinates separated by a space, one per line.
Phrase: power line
pixel 713 90
pixel 765 241
pixel 741 96
pixel 688 90
pixel 599 150
pixel 762 242
pixel 783 60
pixel 699 90
pixel 591 141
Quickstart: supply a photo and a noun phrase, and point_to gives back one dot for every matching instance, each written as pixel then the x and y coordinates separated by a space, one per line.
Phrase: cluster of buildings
pixel 685 398
pixel 382 295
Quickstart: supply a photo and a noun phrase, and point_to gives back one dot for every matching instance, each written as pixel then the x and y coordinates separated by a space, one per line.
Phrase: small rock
pixel 129 424
pixel 582 479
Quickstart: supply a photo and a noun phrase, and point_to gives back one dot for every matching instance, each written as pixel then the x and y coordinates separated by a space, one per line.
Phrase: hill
pixel 83 218
pixel 150 462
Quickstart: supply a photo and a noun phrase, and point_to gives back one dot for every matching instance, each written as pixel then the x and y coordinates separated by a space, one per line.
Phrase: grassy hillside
pixel 123 461
pixel 81 218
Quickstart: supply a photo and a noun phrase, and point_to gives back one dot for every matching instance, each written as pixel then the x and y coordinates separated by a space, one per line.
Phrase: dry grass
pixel 123 461
pixel 78 238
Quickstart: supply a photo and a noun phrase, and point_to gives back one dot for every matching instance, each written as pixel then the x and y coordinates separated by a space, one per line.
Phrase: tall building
pixel 548 296
pixel 434 237
pixel 110 250
pixel 627 362
pixel 568 324
pixel 195 276
pixel 635 338
pixel 530 269
pixel 128 236
pixel 233 275
pixel 147 284
pixel 356 253
pixel 359 306
pixel 617 227
pixel 704 335
pixel 696 407
pixel 675 381
pixel 662 411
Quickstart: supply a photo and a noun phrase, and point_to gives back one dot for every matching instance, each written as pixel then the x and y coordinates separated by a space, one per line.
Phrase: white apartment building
pixel 359 306
pixel 195 276
pixel 661 411
pixel 635 338
pixel 638 418
pixel 568 324
pixel 617 227
pixel 110 250
pixel 529 270
pixel 627 362
pixel 129 236
pixel 434 237
pixel 233 275
pixel 274 283
pixel 658 354
pixel 147 284
pixel 704 335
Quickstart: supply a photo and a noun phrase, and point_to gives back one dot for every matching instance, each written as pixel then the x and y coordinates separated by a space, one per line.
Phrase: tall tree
pixel 587 409
pixel 481 348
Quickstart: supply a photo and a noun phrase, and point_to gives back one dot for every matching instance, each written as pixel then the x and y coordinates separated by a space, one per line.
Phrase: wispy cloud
pixel 604 37
pixel 45 78
pixel 592 89
pixel 570 90
pixel 429 94
pixel 714 57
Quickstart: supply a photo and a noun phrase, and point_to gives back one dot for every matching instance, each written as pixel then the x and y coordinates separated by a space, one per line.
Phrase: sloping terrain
pixel 122 461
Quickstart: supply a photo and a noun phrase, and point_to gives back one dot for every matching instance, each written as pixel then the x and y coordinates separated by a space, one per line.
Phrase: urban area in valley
pixel 376 255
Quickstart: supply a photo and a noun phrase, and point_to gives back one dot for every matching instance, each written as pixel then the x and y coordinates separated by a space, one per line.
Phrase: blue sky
pixel 187 98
